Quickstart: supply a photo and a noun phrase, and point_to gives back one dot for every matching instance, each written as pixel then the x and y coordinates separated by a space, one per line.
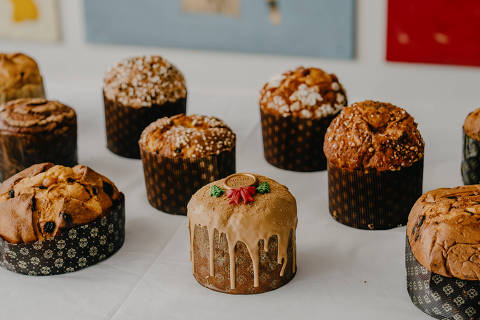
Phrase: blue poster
pixel 322 28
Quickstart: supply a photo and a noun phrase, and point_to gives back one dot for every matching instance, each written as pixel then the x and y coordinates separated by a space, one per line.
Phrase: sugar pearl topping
pixel 373 134
pixel 144 81
pixel 303 92
pixel 192 136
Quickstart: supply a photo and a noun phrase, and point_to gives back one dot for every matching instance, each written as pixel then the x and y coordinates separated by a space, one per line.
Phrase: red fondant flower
pixel 244 193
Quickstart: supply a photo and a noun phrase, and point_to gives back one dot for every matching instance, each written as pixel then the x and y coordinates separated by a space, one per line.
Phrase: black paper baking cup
pixel 19 151
pixel 74 249
pixel 125 124
pixel 171 182
pixel 373 200
pixel 471 160
pixel 439 296
pixel 293 143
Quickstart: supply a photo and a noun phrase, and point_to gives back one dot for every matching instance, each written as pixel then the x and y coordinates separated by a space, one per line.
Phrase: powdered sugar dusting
pixel 143 81
pixel 303 92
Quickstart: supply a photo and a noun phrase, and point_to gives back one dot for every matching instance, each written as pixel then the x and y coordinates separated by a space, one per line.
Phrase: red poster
pixel 434 31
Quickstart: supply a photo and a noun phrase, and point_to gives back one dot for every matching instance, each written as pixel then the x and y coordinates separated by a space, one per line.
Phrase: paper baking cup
pixel 125 124
pixel 439 296
pixel 74 249
pixel 373 200
pixel 293 143
pixel 19 151
pixel 471 160
pixel 171 182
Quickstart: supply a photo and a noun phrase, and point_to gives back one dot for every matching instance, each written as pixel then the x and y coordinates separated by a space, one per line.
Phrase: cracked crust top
pixel 42 200
pixel 443 230
pixel 373 135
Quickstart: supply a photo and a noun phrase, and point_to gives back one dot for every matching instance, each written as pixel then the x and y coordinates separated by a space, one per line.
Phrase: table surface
pixel 343 273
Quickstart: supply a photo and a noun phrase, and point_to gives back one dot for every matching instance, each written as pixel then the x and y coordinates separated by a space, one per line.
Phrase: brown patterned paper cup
pixel 373 200
pixel 471 160
pixel 171 182
pixel 125 124
pixel 19 151
pixel 293 143
pixel 439 296
pixel 74 249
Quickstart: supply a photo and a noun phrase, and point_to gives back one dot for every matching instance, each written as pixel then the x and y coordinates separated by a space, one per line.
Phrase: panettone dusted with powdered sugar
pixel 192 136
pixel 144 81
pixel 303 92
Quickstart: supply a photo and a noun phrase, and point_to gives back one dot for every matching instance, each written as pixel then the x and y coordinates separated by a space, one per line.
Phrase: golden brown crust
pixel 192 136
pixel 373 135
pixel 471 126
pixel 303 92
pixel 42 200
pixel 34 115
pixel 444 231
pixel 19 77
pixel 144 81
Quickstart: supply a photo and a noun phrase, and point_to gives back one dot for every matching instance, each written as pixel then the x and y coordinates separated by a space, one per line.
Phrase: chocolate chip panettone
pixel 296 109
pixel 375 165
pixel 443 252
pixel 34 131
pixel 182 153
pixel 55 219
pixel 471 148
pixel 138 91
pixel 242 234
pixel 19 77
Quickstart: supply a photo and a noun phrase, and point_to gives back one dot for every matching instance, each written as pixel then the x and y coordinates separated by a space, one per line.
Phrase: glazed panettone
pixel 443 252
pixel 375 165
pixel 59 218
pixel 182 153
pixel 296 109
pixel 373 135
pixel 471 148
pixel 242 234
pixel 19 77
pixel 138 91
pixel 34 131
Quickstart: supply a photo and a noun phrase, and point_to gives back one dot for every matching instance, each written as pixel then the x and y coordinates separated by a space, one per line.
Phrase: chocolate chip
pixel 70 180
pixel 94 190
pixel 49 227
pixel 11 193
pixel 422 219
pixel 42 187
pixel 34 204
pixel 107 188
pixel 67 218
pixel 178 150
pixel 452 197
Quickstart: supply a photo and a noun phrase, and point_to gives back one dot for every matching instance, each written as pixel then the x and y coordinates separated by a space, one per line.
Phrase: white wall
pixel 438 96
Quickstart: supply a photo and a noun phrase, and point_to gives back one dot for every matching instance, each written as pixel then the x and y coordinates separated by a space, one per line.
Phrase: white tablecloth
pixel 343 273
